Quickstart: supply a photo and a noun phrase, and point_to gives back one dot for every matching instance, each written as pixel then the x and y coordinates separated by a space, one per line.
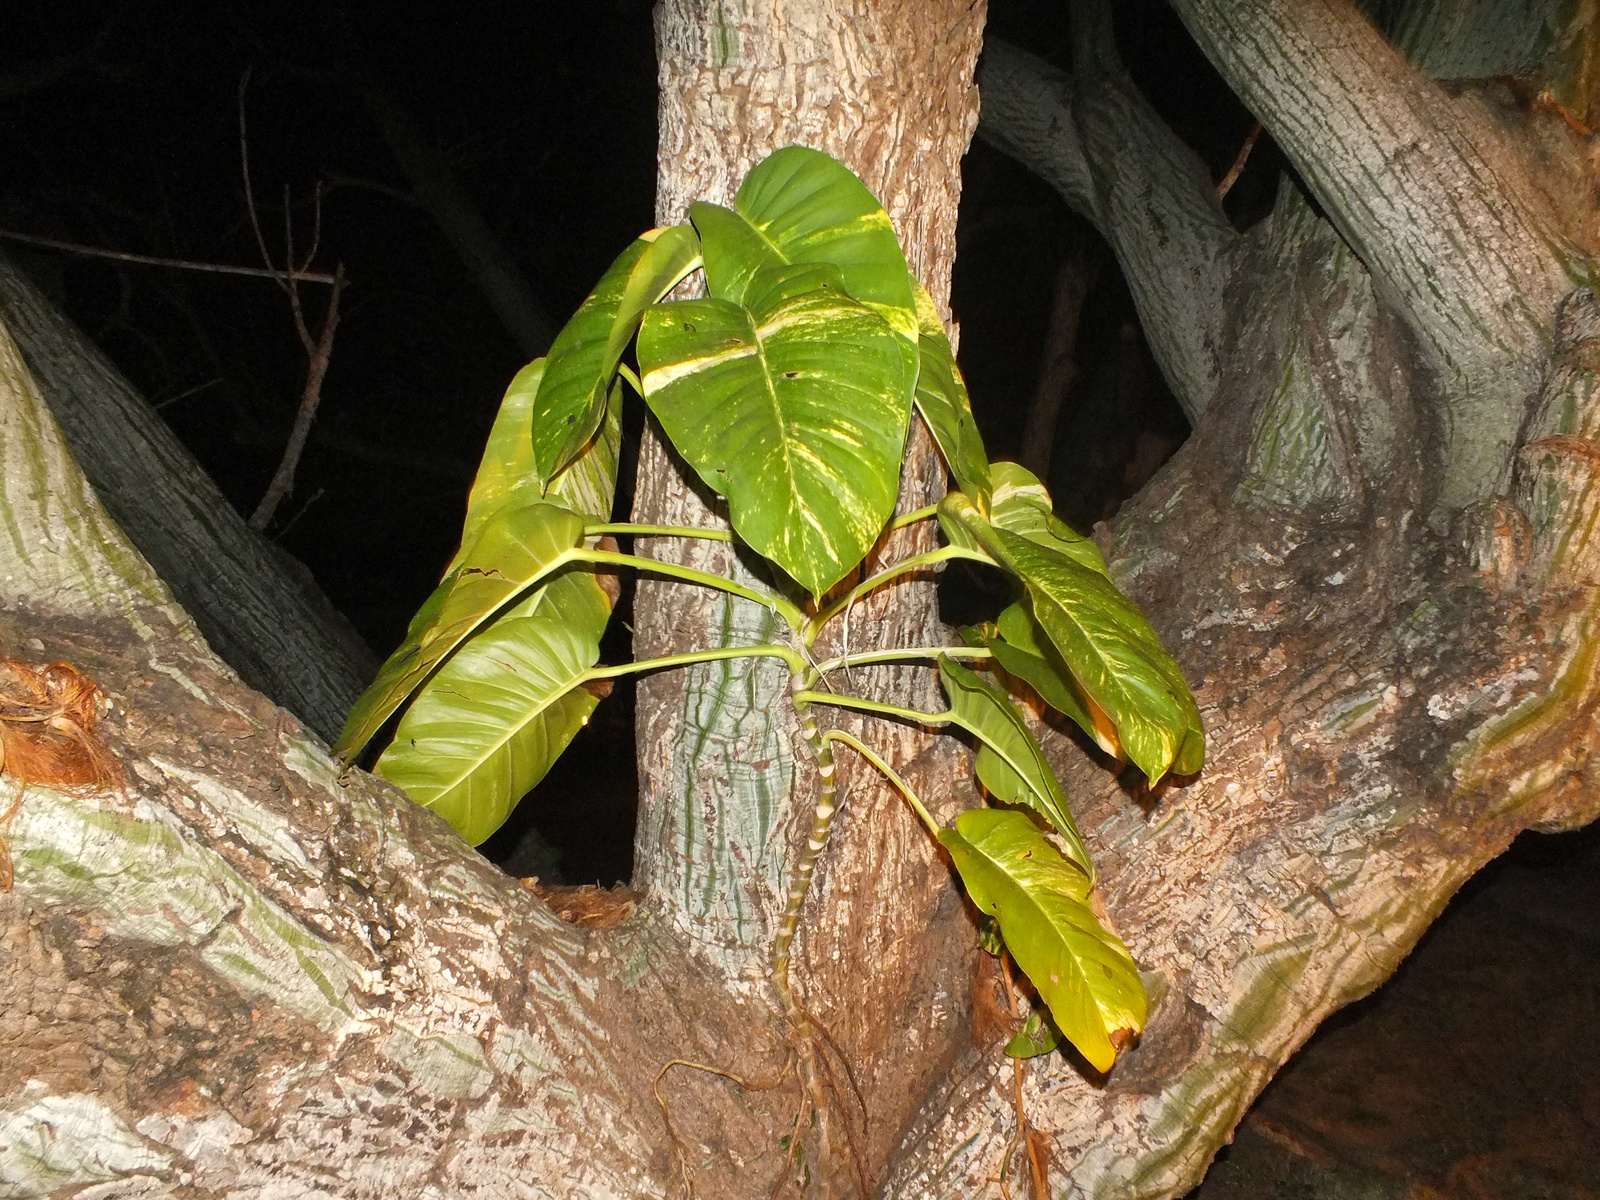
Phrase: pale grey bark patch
pixel 1095 139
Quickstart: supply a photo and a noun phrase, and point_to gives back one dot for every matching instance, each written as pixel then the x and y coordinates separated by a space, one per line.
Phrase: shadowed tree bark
pixel 1374 559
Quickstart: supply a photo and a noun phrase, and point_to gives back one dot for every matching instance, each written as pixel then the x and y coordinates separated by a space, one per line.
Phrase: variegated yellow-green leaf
pixel 1021 504
pixel 571 400
pixel 1082 971
pixel 588 484
pixel 943 402
pixel 488 726
pixel 516 547
pixel 802 206
pixel 1022 649
pixel 796 411
pixel 1009 760
pixel 1105 642
pixel 505 473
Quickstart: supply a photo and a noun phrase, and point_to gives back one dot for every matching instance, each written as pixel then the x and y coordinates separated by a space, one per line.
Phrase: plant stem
pixel 900 655
pixel 916 562
pixel 683 531
pixel 795 662
pixel 627 373
pixel 912 517
pixel 799 885
pixel 872 706
pixel 839 735
pixel 791 615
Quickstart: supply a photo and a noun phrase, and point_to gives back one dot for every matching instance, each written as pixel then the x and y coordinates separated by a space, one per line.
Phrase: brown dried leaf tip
pixel 47 720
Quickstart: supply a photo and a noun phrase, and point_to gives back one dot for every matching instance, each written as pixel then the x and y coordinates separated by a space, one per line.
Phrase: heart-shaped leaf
pixel 571 400
pixel 488 726
pixel 1009 760
pixel 943 402
pixel 1083 972
pixel 802 206
pixel 796 412
pixel 516 547
pixel 1021 504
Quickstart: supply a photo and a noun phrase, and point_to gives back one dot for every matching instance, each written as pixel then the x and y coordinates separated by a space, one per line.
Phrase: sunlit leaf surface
pixel 488 726
pixel 1082 971
pixel 795 410
pixel 571 400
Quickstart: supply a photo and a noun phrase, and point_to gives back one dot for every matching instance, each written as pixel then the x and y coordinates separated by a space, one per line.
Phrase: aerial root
pixel 678 1153
pixel 1037 1145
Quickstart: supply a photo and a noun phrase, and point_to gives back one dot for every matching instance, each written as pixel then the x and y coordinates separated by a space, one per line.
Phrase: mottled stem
pixel 799 885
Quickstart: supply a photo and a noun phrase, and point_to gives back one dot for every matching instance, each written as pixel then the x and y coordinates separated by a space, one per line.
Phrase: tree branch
pixel 273 626
pixel 1426 191
pixel 1095 139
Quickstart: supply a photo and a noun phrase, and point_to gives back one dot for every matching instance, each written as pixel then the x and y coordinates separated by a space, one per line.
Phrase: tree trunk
pixel 257 606
pixel 240 974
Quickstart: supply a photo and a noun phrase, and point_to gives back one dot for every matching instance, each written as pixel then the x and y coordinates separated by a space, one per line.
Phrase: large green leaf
pixel 505 473
pixel 1083 972
pixel 488 726
pixel 1021 504
pixel 1112 652
pixel 1009 760
pixel 515 548
pixel 571 400
pixel 943 402
pixel 803 206
pixel 796 411
pixel 1021 649
pixel 588 484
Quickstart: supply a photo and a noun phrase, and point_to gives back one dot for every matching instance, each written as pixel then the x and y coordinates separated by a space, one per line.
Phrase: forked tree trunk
pixel 241 975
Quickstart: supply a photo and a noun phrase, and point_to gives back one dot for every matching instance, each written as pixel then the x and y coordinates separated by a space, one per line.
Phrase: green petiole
pixel 916 562
pixel 795 662
pixel 680 531
pixel 873 706
pixel 908 653
pixel 839 735
pixel 791 614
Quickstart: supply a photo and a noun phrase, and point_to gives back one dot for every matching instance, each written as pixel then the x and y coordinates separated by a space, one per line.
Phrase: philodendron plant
pixel 789 389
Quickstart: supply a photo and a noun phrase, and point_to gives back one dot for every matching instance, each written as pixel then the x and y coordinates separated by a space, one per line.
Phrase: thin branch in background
pixel 295 520
pixel 244 165
pixel 149 260
pixel 319 352
pixel 186 393
pixel 300 327
pixel 1243 157
pixel 336 179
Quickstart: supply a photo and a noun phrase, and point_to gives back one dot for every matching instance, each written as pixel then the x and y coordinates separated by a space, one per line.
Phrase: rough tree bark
pixel 242 975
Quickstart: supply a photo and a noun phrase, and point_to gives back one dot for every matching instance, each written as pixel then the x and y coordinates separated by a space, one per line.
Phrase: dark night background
pixel 119 128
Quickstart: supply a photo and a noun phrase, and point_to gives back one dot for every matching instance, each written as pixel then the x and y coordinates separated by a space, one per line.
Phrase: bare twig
pixel 186 393
pixel 150 260
pixel 319 352
pixel 1237 169
pixel 244 166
